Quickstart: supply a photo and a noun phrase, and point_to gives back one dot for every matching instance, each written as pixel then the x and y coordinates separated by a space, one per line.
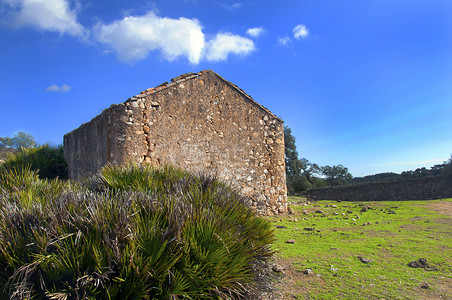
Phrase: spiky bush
pixel 128 233
pixel 47 160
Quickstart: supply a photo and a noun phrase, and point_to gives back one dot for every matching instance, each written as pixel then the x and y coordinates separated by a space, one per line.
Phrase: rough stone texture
pixel 434 187
pixel 199 122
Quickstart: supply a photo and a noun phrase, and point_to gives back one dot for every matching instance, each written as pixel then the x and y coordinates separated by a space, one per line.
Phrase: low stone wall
pixel 426 188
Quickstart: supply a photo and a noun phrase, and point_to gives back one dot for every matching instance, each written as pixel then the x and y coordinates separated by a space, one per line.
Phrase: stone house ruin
pixel 198 122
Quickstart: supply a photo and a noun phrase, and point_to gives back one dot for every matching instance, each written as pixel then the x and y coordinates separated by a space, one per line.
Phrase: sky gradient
pixel 365 84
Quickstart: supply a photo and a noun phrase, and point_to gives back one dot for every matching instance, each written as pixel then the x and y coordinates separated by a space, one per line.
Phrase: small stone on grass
pixel 308 272
pixel 365 260
pixel 278 269
pixel 425 285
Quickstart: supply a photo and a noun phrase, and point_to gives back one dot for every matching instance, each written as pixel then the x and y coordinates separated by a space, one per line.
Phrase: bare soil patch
pixel 291 283
pixel 443 207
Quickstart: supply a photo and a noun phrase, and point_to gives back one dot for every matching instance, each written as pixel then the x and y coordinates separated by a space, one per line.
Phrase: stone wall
pixel 426 188
pixel 199 122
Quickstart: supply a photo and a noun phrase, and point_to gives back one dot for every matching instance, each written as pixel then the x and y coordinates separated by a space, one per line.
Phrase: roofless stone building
pixel 198 122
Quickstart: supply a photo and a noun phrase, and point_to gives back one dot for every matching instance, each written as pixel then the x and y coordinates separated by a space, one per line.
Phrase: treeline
pixel 18 141
pixel 444 168
pixel 22 150
pixel 302 175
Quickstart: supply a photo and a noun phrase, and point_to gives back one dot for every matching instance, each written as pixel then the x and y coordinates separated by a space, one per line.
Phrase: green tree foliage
pixel 18 141
pixel 310 170
pixel 436 170
pixel 6 142
pixel 388 176
pixel 423 172
pixel 48 161
pixel 336 175
pixel 293 164
pixel 296 181
pixel 447 170
pixel 301 174
pixel 129 233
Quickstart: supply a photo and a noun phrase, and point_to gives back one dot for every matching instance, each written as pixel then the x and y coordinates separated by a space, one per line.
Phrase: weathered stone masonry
pixel 199 122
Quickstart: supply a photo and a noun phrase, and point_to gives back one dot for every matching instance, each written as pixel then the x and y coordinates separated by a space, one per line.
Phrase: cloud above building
pixel 47 15
pixel 134 38
pixel 227 43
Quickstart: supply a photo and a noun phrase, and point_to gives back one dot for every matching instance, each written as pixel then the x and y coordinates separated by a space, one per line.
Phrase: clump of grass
pixel 47 160
pixel 129 233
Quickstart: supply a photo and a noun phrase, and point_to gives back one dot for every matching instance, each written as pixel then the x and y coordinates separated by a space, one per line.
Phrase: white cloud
pixel 51 15
pixel 134 37
pixel 284 41
pixel 300 31
pixel 58 88
pixel 225 43
pixel 256 31
pixel 232 7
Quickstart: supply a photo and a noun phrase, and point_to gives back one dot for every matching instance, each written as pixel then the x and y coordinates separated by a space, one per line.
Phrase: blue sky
pixel 366 84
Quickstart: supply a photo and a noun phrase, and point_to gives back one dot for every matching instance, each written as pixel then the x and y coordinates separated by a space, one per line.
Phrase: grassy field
pixel 330 237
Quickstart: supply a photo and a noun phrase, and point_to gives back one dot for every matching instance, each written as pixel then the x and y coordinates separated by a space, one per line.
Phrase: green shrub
pixel 47 160
pixel 5 153
pixel 129 233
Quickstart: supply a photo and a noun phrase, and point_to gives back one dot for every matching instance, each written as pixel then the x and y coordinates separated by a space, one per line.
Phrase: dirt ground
pixel 443 207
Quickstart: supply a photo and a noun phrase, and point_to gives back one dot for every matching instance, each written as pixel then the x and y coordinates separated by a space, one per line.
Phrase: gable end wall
pixel 201 124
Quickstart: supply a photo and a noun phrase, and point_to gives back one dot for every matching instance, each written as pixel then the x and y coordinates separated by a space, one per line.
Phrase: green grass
pixel 400 232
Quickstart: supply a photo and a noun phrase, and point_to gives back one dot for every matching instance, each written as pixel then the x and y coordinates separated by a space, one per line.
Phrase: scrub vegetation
pixel 129 233
pixel 140 232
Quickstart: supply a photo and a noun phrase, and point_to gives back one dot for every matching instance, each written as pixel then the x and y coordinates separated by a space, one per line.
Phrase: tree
pixel 447 171
pixel 309 170
pixel 296 181
pixel 300 173
pixel 23 140
pixel 336 175
pixel 293 164
pixel 6 142
pixel 18 141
